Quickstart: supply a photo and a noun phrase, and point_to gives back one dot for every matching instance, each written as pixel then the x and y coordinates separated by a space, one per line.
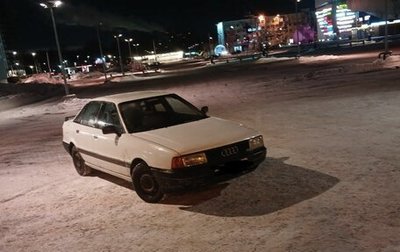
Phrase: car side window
pixel 88 114
pixel 178 106
pixel 109 116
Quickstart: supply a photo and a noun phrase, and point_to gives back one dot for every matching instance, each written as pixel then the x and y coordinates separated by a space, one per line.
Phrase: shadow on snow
pixel 273 186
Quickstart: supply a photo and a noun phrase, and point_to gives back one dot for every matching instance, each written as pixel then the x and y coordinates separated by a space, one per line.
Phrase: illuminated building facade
pixel 288 29
pixel 355 19
pixel 256 33
pixel 239 35
pixel 335 20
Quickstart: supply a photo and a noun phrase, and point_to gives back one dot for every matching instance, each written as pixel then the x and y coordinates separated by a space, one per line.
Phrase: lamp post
pixel 48 62
pixel 136 48
pixel 14 53
pixel 119 53
pixel 262 37
pixel 34 62
pixel 50 5
pixel 129 47
pixel 386 30
pixel 297 29
pixel 210 48
pixel 103 60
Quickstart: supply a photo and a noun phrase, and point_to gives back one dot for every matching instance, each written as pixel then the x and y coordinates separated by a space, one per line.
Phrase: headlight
pixel 256 142
pixel 189 160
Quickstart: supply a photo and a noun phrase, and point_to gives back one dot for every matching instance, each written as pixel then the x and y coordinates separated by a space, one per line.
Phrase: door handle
pixel 77 131
pixel 95 137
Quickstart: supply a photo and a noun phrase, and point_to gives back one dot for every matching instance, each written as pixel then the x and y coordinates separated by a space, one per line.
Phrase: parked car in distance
pixel 160 142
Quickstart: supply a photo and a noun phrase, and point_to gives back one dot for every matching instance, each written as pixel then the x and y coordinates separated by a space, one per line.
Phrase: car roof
pixel 124 97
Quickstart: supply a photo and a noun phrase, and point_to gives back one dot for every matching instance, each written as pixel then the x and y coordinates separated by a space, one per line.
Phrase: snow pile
pixel 273 59
pixel 91 75
pixel 312 59
pixel 42 78
pixel 74 104
pixel 390 62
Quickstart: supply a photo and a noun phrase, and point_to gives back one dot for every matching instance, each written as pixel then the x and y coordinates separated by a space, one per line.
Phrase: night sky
pixel 27 26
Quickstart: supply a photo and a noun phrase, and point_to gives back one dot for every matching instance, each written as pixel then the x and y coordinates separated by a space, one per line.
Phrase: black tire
pixel 79 163
pixel 145 184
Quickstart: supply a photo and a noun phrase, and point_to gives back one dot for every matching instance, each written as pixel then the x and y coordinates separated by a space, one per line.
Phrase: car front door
pixel 111 152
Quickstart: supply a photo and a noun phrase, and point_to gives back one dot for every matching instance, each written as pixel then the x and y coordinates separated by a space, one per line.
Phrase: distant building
pixel 238 35
pixel 355 19
pixel 3 61
pixel 376 8
pixel 254 34
pixel 288 29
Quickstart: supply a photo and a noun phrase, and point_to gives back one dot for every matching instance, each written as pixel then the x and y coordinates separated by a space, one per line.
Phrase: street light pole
pixel 136 49
pixel 34 62
pixel 101 53
pixel 14 53
pixel 50 5
pixel 297 29
pixel 129 47
pixel 119 53
pixel 48 62
pixel 386 29
pixel 155 51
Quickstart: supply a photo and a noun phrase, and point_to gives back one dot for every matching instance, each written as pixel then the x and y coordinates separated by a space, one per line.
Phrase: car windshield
pixel 158 112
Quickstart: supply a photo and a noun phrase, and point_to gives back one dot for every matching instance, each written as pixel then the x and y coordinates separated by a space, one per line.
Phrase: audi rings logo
pixel 230 151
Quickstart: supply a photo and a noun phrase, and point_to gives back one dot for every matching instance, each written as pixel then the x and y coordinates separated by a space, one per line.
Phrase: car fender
pixel 155 155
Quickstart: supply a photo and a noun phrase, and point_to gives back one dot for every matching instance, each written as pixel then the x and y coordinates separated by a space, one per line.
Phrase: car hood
pixel 198 135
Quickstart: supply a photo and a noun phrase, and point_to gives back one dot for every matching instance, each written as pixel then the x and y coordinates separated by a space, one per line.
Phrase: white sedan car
pixel 159 142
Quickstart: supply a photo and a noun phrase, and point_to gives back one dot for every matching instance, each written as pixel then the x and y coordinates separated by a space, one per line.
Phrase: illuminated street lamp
pixel 129 46
pixel 119 53
pixel 50 5
pixel 34 62
pixel 136 48
pixel 31 67
pixel 14 53
pixel 297 29
pixel 261 31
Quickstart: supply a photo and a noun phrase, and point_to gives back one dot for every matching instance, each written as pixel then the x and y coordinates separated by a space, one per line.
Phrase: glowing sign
pixel 345 20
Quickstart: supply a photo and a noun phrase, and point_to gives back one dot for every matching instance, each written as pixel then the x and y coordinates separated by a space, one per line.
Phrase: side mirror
pixel 110 129
pixel 204 110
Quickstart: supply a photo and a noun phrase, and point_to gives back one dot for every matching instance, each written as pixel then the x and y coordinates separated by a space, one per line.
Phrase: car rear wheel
pixel 145 184
pixel 79 163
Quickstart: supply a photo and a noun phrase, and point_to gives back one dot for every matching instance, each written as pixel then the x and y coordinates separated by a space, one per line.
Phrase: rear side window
pixel 88 114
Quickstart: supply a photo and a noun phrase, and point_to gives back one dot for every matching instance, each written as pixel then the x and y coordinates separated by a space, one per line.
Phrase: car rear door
pixel 85 130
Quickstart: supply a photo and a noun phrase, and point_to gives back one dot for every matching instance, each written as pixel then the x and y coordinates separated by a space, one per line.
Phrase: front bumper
pixel 212 173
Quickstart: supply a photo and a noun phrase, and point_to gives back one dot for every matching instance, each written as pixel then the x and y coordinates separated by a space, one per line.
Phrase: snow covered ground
pixel 331 181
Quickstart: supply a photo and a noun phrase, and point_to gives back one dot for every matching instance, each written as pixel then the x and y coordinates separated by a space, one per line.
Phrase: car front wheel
pixel 79 163
pixel 145 184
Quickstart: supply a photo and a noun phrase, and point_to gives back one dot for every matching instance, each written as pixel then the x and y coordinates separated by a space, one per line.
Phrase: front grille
pixel 227 153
